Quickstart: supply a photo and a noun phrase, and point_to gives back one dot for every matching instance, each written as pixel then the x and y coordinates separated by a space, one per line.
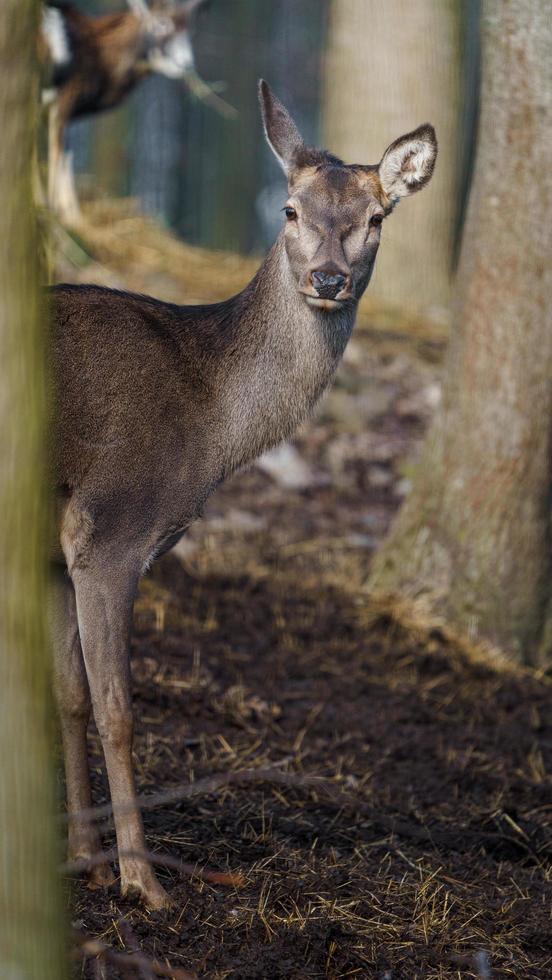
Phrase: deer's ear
pixel 283 137
pixel 407 165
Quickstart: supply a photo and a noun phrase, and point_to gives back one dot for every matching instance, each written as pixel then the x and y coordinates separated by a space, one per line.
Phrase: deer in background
pixel 157 404
pixel 94 62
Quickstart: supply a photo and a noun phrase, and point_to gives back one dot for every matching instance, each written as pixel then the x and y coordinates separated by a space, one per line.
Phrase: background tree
pixel 389 67
pixel 31 941
pixel 474 535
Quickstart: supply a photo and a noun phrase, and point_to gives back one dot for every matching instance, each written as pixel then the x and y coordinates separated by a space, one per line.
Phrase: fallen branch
pixel 453 838
pixel 204 787
pixel 206 93
pixel 229 878
pixel 95 948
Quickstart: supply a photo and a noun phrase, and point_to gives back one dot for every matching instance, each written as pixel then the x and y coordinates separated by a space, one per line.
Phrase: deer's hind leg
pixel 73 700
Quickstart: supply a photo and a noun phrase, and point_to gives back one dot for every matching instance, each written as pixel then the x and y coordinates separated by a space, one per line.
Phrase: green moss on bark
pixel 31 938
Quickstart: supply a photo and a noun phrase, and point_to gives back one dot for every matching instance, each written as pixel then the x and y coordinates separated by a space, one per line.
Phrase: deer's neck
pixel 281 356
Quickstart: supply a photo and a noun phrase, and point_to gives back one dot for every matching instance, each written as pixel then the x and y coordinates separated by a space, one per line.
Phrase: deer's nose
pixel 328 284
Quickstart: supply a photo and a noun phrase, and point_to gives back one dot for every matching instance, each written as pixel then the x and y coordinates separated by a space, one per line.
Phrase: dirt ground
pixel 425 852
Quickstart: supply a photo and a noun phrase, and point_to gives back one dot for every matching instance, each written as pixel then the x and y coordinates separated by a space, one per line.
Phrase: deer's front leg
pixel 73 700
pixel 105 596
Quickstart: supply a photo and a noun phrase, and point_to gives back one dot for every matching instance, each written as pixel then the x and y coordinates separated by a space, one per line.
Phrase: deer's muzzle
pixel 329 284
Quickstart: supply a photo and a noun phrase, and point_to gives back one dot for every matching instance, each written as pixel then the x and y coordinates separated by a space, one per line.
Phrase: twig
pixel 133 946
pixel 233 879
pixel 205 93
pixel 448 837
pixel 99 970
pixel 482 964
pixel 94 947
pixel 204 787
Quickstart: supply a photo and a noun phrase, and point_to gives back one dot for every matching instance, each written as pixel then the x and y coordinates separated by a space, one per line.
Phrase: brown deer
pixel 157 404
pixel 94 62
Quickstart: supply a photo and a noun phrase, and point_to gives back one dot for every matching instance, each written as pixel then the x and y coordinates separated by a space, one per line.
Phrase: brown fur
pixel 108 59
pixel 105 62
pixel 109 55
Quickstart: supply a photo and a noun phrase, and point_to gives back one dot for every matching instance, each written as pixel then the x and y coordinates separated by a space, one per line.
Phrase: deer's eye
pixel 376 220
pixel 291 213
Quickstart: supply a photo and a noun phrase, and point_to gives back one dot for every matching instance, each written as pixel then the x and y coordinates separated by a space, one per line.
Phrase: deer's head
pixel 166 25
pixel 334 212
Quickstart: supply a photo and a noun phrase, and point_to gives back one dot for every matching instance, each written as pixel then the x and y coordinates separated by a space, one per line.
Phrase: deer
pixel 156 404
pixel 94 62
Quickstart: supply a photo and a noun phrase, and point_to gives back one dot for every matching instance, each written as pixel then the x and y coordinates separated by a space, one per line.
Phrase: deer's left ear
pixel 407 165
pixel 283 137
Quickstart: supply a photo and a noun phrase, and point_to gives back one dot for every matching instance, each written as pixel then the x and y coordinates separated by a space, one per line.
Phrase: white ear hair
pixel 407 165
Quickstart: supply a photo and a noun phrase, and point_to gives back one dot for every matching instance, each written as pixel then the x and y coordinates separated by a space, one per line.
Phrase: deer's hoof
pixel 146 887
pixel 101 877
pixel 87 848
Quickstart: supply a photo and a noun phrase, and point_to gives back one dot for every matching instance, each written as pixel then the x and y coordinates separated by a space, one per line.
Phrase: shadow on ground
pixel 277 670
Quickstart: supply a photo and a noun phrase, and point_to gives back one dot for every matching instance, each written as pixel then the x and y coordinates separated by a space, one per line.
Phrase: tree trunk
pixel 474 535
pixel 31 938
pixel 389 67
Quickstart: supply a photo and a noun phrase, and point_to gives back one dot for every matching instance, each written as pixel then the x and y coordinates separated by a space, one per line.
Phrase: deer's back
pixel 134 411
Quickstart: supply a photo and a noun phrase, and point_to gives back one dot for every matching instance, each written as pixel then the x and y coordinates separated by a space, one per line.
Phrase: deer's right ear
pixel 283 137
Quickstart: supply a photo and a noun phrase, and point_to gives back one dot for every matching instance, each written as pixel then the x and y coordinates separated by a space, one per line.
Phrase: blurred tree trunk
pixel 389 67
pixel 31 938
pixel 110 151
pixel 475 533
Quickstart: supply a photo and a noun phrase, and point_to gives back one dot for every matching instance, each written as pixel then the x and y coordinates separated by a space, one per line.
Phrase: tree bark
pixel 389 67
pixel 31 939
pixel 474 536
